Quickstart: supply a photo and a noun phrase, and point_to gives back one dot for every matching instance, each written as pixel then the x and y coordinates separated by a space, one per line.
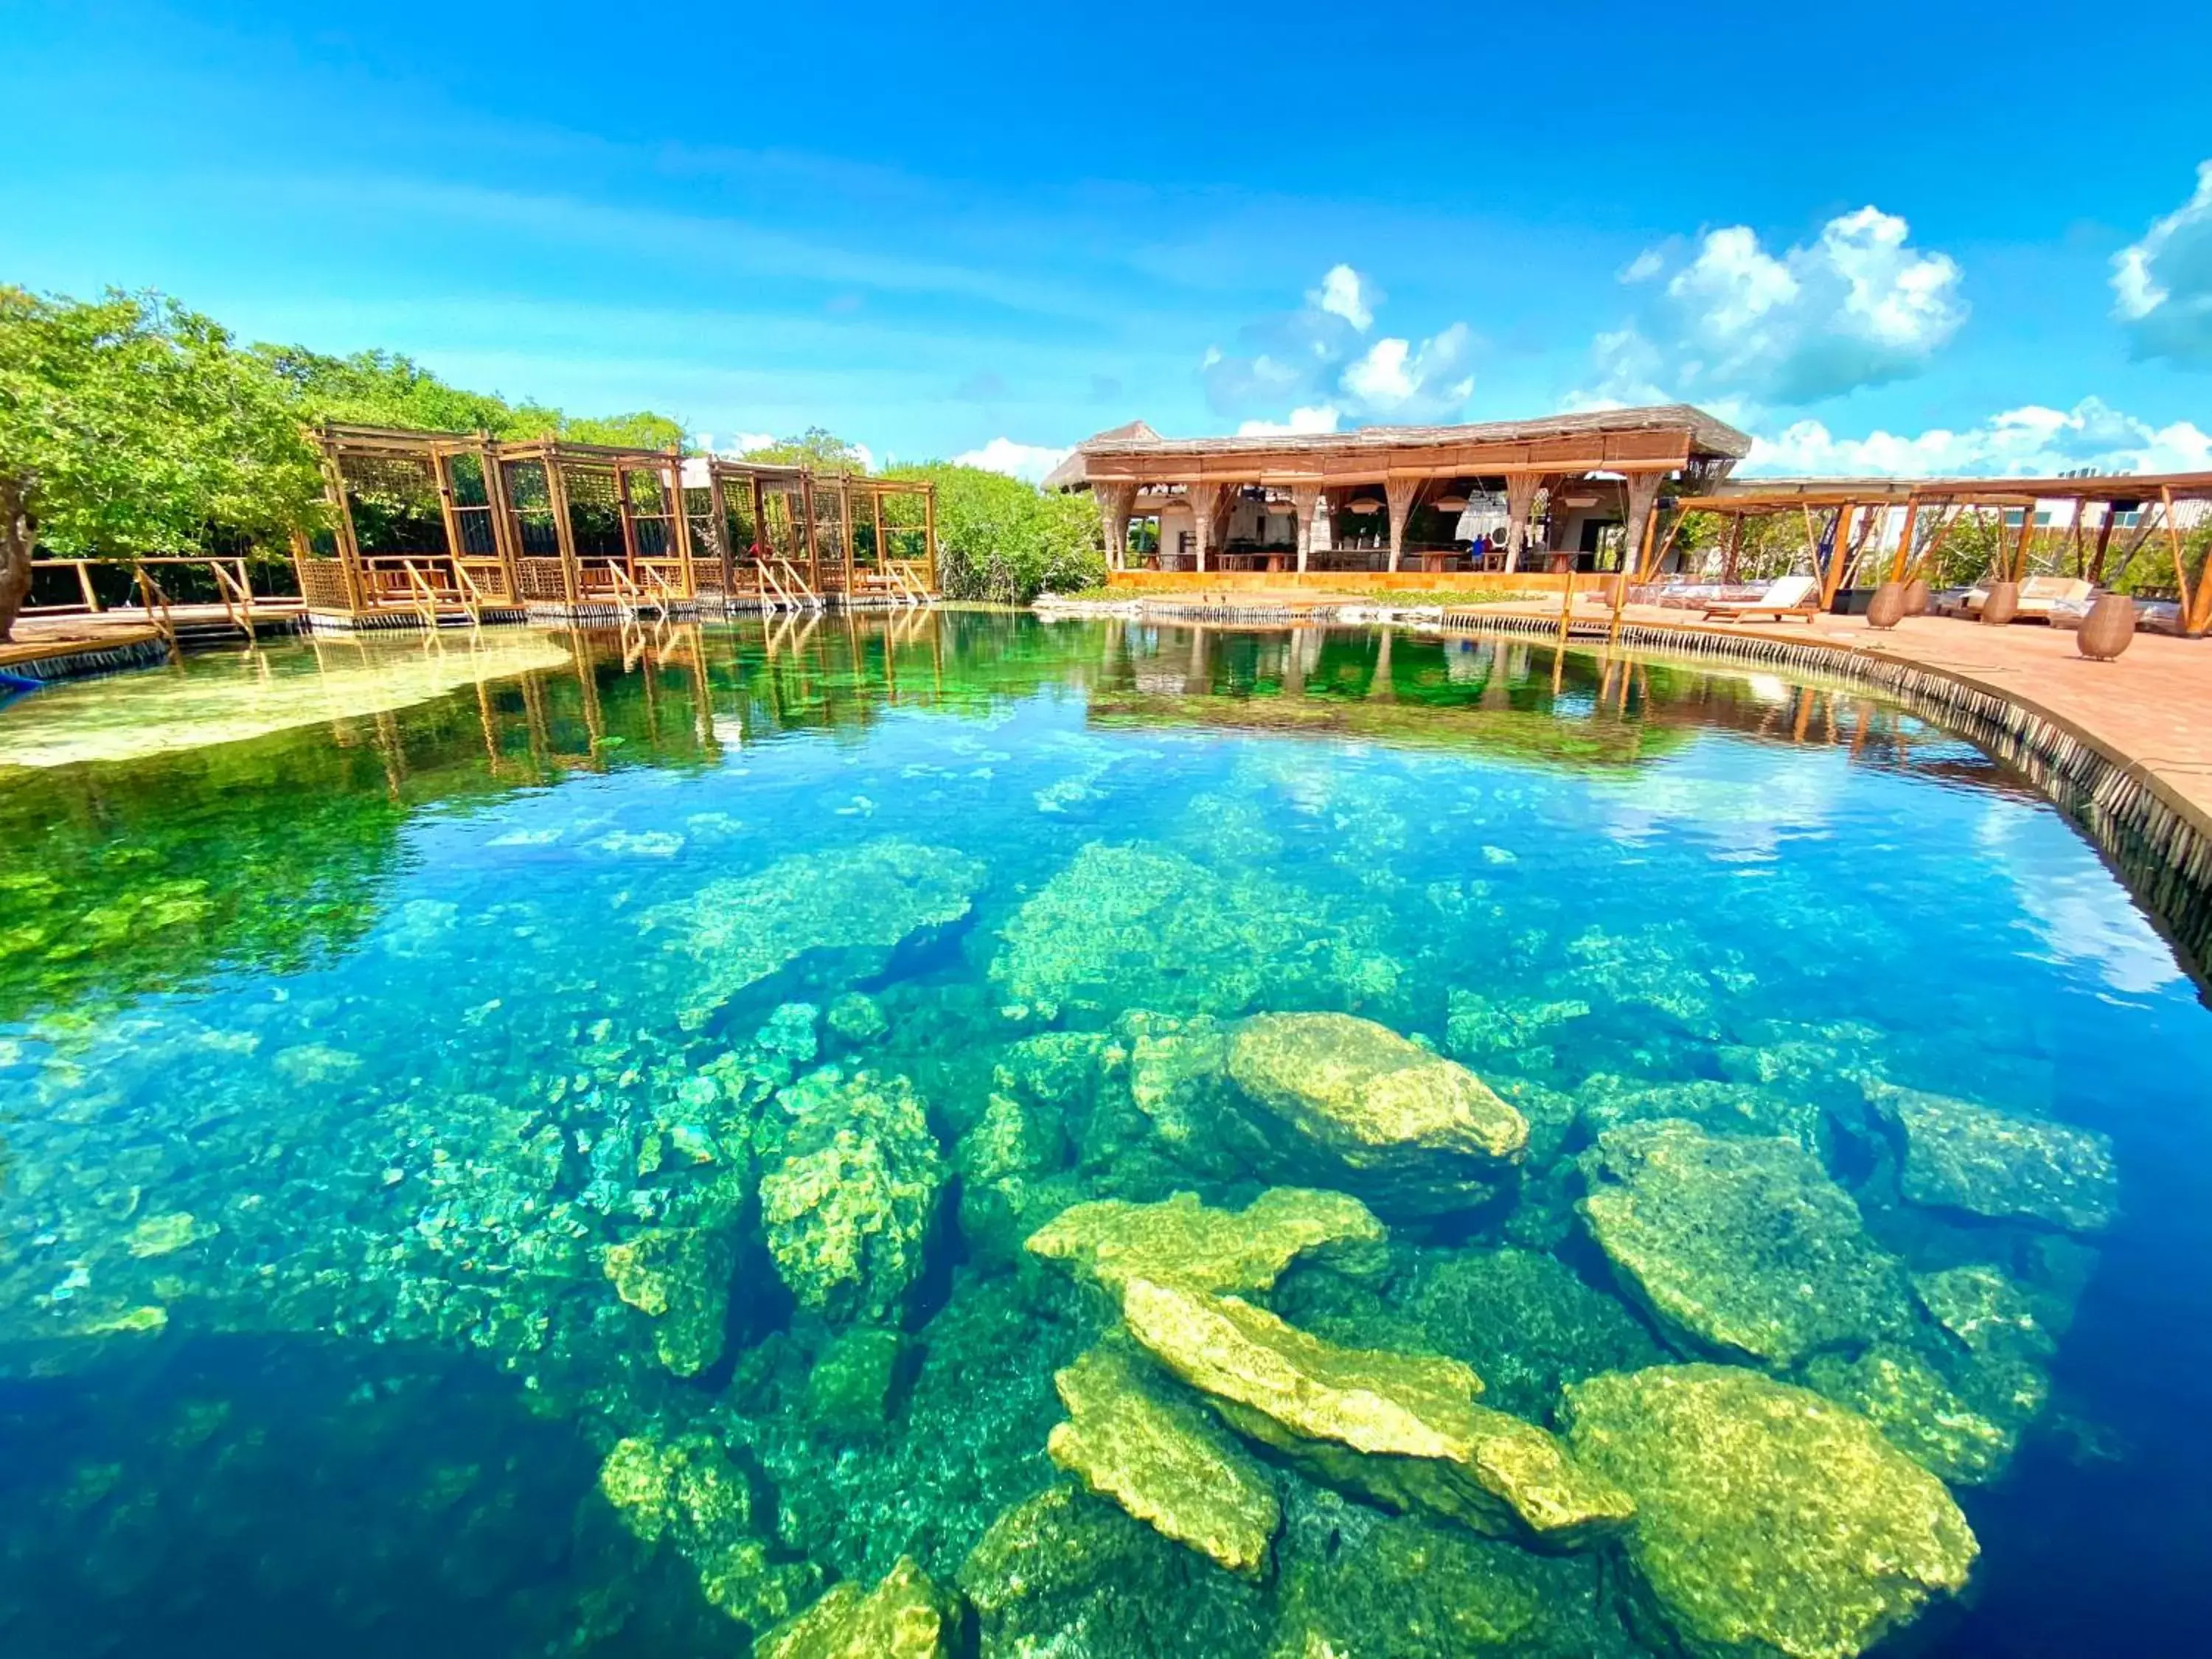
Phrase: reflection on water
pixel 526 1145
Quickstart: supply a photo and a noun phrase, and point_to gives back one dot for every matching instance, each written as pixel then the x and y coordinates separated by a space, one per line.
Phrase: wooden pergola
pixel 1641 449
pixel 1846 520
pixel 433 524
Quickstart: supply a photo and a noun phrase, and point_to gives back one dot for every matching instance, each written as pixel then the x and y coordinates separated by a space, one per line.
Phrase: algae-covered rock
pixel 1360 1585
pixel 1356 1104
pixel 1180 1241
pixel 1007 1164
pixel 1402 1428
pixel 687 1492
pixel 1178 1070
pixel 740 931
pixel 904 1617
pixel 1918 1412
pixel 1518 1032
pixel 1605 1102
pixel 858 1018
pixel 1132 927
pixel 679 1278
pixel 1986 1309
pixel 1160 1459
pixel 1064 1573
pixel 1963 1157
pixel 1525 1322
pixel 1769 1521
pixel 849 1389
pixel 1740 1243
pixel 847 1206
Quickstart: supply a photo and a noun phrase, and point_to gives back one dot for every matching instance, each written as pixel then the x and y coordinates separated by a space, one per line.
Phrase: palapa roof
pixel 1485 443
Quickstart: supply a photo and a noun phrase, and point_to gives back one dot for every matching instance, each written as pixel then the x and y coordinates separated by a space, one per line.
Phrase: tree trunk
pixel 19 534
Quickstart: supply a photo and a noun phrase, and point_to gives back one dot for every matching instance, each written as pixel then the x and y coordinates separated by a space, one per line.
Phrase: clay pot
pixel 1886 608
pixel 2108 629
pixel 2003 603
pixel 1917 598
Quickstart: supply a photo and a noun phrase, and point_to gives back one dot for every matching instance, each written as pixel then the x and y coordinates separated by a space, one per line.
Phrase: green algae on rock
pixel 1402 1428
pixel 679 1278
pixel 846 1205
pixel 849 1389
pixel 903 1616
pixel 1769 1521
pixel 1063 1573
pixel 1132 926
pixel 1918 1412
pixel 687 1492
pixel 1605 1102
pixel 1740 1243
pixel 740 931
pixel 1180 1241
pixel 1986 1309
pixel 1515 1032
pixel 1962 1157
pixel 1161 1459
pixel 1348 1102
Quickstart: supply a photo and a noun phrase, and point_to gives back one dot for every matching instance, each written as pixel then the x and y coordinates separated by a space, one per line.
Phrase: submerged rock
pixel 904 1617
pixel 687 1492
pixel 1986 1309
pixel 1178 1071
pixel 1401 1428
pixel 1180 1241
pixel 858 1018
pixel 1353 1102
pixel 679 1278
pixel 1769 1521
pixel 1740 1243
pixel 1605 1102
pixel 847 1208
pixel 1066 1573
pixel 1518 1032
pixel 1918 1412
pixel 849 1389
pixel 1162 1461
pixel 738 932
pixel 1963 1157
pixel 1132 927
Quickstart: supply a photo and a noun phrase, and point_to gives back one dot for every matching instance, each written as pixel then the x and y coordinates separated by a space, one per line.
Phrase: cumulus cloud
pixel 2028 441
pixel 1319 359
pixel 741 443
pixel 2162 285
pixel 1321 419
pixel 1029 462
pixel 1857 307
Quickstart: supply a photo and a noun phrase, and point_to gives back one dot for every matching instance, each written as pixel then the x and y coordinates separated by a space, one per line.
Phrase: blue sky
pixel 1867 235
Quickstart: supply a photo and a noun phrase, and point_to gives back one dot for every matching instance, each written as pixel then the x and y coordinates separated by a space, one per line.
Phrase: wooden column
pixel 681 522
pixel 761 547
pixel 929 531
pixel 1897 565
pixel 882 558
pixel 1732 560
pixel 1840 554
pixel 1521 489
pixel 845 529
pixel 443 476
pixel 1205 503
pixel 2096 572
pixel 813 546
pixel 2016 570
pixel 628 524
pixel 1641 493
pixel 505 539
pixel 564 530
pixel 342 531
pixel 718 510
pixel 1305 501
pixel 1401 494
pixel 1115 499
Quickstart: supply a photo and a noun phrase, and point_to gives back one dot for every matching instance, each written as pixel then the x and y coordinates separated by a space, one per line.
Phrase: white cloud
pixel 1026 461
pixel 1323 418
pixel 1345 293
pixel 1393 379
pixel 2032 440
pixel 2162 285
pixel 742 443
pixel 1857 307
pixel 1317 359
pixel 2070 902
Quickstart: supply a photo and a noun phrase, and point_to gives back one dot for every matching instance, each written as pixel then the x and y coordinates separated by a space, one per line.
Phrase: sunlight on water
pixel 593 1143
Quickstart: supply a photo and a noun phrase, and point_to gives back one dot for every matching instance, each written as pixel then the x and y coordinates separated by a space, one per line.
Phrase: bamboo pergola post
pixel 1897 565
pixel 2096 571
pixel 503 538
pixel 1838 557
pixel 564 530
pixel 717 511
pixel 929 533
pixel 1732 560
pixel 813 544
pixel 882 556
pixel 342 530
pixel 680 522
pixel 442 477
pixel 845 529
pixel 2016 567
pixel 628 523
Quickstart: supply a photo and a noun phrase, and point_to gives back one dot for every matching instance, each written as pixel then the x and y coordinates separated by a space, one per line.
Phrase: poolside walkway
pixel 2153 706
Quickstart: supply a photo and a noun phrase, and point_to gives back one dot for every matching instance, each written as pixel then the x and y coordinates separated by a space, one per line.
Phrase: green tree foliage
pixel 999 538
pixel 129 424
pixel 382 388
pixel 815 448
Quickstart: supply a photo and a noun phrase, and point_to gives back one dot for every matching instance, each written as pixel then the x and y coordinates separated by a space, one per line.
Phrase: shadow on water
pixel 294 1496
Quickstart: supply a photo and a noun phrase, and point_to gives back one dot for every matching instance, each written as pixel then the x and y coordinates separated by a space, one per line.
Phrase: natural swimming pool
pixel 530 1147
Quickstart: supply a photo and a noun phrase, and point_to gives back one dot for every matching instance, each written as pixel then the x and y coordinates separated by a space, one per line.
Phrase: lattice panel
pixel 322 584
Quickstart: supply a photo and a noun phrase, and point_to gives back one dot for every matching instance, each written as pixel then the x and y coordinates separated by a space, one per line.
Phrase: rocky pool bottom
pixel 1088 1171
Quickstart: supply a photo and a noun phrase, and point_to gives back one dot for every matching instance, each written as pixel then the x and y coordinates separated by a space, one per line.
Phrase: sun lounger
pixel 2040 597
pixel 1785 595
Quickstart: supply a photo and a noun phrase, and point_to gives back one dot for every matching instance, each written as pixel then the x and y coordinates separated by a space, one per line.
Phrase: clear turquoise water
pixel 334 1055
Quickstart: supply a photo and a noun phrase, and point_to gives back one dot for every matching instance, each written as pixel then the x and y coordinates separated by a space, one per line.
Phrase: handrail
pixel 472 598
pixel 165 625
pixel 427 595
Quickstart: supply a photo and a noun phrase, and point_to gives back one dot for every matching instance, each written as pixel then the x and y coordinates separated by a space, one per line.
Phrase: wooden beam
pixel 2016 568
pixel 2096 572
pixel 1838 555
pixel 680 522
pixel 929 531
pixel 1401 492
pixel 564 529
pixel 1898 565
